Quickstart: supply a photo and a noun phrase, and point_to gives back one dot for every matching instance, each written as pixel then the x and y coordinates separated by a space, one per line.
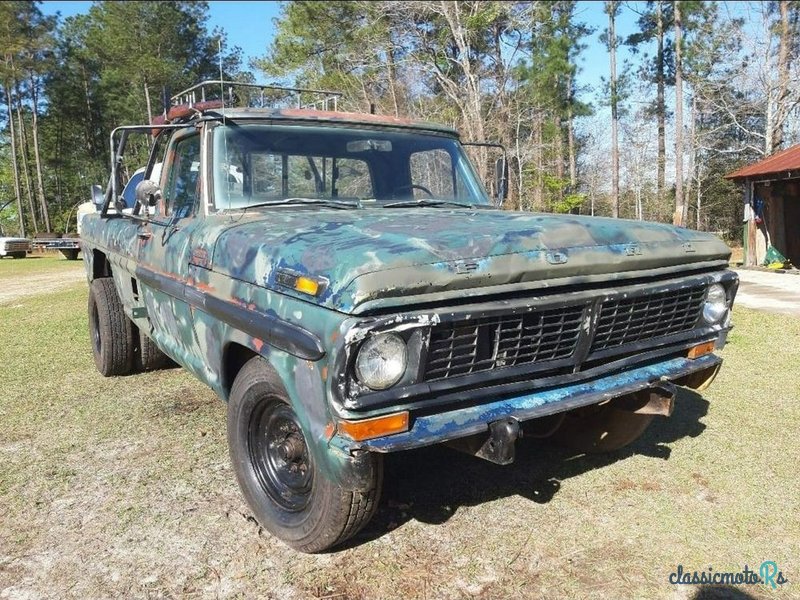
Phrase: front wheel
pixel 282 482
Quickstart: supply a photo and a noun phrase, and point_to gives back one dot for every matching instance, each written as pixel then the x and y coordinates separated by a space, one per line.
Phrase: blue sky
pixel 249 26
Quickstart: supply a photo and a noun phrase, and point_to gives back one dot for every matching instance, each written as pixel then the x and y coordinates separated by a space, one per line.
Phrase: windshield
pixel 297 165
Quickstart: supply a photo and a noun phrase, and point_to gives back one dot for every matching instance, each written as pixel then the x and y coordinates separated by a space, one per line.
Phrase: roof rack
pixel 234 93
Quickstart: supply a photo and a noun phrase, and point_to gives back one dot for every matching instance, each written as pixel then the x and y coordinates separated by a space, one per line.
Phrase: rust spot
pixel 258 344
pixel 204 287
pixel 330 429
pixel 334 336
pixel 324 373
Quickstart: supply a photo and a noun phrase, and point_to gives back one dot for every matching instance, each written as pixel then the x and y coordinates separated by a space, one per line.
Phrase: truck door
pixel 165 252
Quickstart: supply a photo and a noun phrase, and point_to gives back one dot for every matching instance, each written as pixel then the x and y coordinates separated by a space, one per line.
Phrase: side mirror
pixel 501 179
pixel 98 197
pixel 147 194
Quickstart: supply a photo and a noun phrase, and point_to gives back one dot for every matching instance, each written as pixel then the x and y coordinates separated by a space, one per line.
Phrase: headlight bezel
pixel 371 343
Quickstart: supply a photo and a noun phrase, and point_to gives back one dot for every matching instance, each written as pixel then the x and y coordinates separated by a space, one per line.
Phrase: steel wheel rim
pixel 279 455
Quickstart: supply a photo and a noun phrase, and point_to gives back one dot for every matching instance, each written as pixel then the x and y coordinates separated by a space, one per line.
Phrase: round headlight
pixel 716 303
pixel 381 361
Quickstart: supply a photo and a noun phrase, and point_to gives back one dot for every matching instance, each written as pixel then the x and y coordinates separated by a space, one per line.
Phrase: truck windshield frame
pixel 259 165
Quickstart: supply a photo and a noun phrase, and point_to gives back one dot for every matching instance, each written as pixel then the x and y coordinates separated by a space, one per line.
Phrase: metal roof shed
pixel 771 206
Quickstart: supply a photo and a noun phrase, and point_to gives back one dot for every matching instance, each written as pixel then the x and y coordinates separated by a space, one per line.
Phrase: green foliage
pixel 95 72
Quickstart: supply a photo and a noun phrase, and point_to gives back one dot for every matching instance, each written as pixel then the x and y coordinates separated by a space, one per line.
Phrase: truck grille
pixel 18 246
pixel 475 345
pixel 630 320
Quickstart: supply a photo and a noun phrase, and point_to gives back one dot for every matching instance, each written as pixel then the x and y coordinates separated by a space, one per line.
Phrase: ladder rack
pixel 252 95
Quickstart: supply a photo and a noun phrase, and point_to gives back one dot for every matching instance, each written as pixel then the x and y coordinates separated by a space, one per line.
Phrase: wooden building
pixel 771 206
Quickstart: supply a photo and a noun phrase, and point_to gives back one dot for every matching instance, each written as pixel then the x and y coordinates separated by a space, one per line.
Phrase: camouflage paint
pixel 190 273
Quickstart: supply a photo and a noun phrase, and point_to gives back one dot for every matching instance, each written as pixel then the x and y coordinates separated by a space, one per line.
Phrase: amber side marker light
pixel 306 286
pixel 375 427
pixel 701 350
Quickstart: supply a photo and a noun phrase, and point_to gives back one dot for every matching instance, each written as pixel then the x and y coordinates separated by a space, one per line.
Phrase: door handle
pixel 144 235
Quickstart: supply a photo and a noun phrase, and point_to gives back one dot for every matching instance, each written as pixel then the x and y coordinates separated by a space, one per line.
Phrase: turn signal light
pixel 306 285
pixel 701 350
pixel 375 427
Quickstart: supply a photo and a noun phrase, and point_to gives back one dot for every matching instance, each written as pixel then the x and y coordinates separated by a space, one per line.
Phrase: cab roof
pixel 323 116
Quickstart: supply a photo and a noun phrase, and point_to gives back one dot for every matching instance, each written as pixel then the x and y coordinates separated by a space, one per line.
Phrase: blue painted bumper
pixel 440 427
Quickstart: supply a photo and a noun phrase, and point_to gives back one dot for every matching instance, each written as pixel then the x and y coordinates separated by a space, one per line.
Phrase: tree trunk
pixel 573 161
pixel 692 166
pixel 147 100
pixel 559 152
pixel 775 138
pixel 680 203
pixel 612 50
pixel 392 76
pixel 37 155
pixel 14 163
pixel 90 134
pixel 661 109
pixel 26 179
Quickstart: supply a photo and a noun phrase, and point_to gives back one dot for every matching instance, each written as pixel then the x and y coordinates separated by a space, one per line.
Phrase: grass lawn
pixel 123 487
pixel 36 264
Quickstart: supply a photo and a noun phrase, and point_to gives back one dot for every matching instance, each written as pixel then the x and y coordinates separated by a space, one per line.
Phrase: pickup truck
pixel 347 286
pixel 14 247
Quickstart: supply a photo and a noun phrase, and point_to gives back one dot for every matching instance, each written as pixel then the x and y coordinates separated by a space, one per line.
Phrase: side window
pixel 432 170
pixel 181 194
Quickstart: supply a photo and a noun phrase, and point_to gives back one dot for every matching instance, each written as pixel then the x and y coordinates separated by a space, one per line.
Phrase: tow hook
pixel 498 447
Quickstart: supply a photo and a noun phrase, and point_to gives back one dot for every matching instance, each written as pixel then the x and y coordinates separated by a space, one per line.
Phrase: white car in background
pixel 14 247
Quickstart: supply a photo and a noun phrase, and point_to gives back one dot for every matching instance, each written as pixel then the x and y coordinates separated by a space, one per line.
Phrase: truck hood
pixel 386 256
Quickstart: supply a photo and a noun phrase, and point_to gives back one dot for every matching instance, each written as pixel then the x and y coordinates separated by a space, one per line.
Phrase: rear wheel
pixel 110 330
pixel 149 357
pixel 601 428
pixel 279 476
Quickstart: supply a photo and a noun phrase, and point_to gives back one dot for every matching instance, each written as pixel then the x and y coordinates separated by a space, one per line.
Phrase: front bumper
pixel 440 427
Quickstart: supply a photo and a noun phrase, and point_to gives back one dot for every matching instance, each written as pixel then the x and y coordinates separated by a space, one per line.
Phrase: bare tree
pixel 14 163
pixel 612 9
pixel 782 103
pixel 680 204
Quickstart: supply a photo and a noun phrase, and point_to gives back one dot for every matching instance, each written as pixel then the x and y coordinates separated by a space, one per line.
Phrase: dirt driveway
pixel 37 275
pixel 772 292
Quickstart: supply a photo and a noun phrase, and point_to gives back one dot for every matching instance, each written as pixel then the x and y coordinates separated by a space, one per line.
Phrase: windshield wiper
pixel 427 202
pixel 330 202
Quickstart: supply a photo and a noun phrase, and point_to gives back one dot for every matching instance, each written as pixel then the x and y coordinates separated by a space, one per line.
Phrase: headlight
pixel 381 361
pixel 716 303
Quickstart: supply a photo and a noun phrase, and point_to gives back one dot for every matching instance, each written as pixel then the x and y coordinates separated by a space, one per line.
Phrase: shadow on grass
pixel 721 592
pixel 430 484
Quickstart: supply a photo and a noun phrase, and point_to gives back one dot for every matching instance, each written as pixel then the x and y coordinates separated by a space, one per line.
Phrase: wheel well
pixel 100 265
pixel 233 360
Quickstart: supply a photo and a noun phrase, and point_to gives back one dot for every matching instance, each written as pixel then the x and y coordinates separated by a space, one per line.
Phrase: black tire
pixel 19 255
pixel 601 428
pixel 149 357
pixel 110 330
pixel 289 495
